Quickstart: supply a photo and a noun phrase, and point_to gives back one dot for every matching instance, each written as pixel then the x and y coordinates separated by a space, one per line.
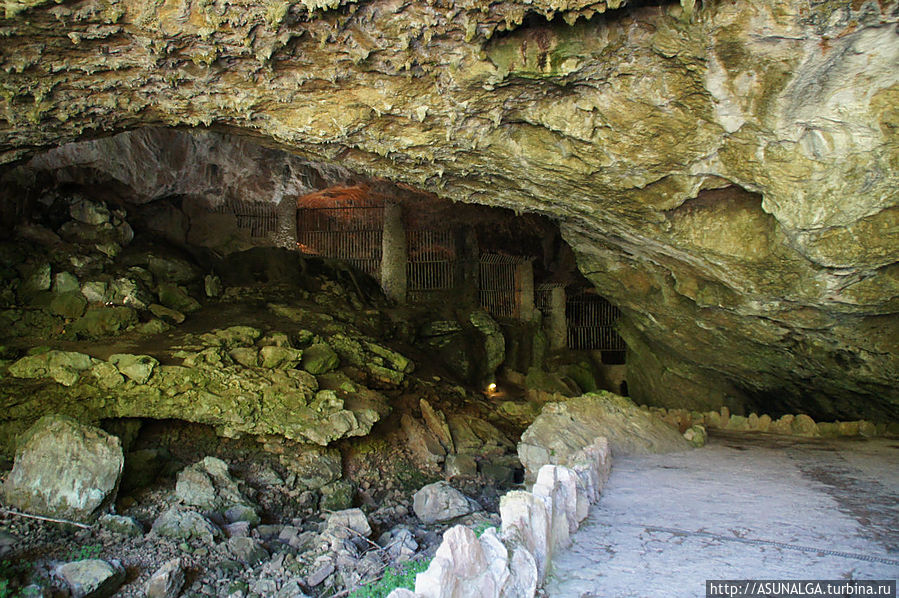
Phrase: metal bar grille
pixel 352 234
pixel 498 285
pixel 591 323
pixel 432 263
pixel 261 219
pixel 543 295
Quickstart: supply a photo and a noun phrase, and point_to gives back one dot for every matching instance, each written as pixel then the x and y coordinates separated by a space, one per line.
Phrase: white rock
pixel 525 520
pixel 167 581
pixel 339 522
pixel 441 502
pixel 522 581
pixel 91 578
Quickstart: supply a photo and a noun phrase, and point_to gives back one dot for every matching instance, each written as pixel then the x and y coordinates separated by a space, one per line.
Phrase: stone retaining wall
pixel 513 562
pixel 795 425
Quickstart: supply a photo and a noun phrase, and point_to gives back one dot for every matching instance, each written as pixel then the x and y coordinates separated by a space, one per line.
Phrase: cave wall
pixel 726 172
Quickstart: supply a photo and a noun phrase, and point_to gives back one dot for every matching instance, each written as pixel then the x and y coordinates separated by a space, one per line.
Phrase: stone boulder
pixel 208 485
pixel 7 543
pixel 319 359
pixel 167 581
pixel 64 469
pixel 182 524
pixel 441 502
pixel 91 578
pixel 247 550
pixel 119 524
pixel 64 367
pixel 564 428
pixel 466 565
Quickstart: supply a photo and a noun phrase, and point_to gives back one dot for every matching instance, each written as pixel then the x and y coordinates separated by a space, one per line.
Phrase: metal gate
pixel 260 219
pixel 431 268
pixel 498 284
pixel 591 323
pixel 349 233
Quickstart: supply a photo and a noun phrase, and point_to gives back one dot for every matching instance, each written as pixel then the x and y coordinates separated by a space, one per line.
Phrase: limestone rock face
pixel 726 173
pixel 64 469
pixel 563 429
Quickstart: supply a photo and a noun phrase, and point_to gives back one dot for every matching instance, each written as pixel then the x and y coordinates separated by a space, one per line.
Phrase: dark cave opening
pixel 215 195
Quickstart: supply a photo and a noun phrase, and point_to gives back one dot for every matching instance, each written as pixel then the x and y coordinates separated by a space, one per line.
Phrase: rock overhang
pixel 778 287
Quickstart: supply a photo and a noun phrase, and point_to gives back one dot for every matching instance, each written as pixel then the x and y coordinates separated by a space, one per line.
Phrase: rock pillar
pixel 286 235
pixel 394 253
pixel 557 329
pixel 524 278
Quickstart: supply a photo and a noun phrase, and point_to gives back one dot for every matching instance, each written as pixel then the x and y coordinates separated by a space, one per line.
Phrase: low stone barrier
pixel 790 425
pixel 513 562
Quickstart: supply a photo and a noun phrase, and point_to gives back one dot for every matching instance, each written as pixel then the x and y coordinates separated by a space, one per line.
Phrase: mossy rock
pixel 337 496
pixel 176 297
pixel 100 321
pixel 319 359
pixel 68 305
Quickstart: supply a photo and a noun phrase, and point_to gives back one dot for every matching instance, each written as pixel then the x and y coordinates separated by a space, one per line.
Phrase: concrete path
pixel 744 507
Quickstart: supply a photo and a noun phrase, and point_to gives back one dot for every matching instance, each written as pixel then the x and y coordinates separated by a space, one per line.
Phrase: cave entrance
pixel 423 250
pixel 210 196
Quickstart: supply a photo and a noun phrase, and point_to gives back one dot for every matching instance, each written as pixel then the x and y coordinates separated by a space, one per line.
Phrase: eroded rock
pixel 91 578
pixel 566 427
pixel 441 502
pixel 167 581
pixel 64 469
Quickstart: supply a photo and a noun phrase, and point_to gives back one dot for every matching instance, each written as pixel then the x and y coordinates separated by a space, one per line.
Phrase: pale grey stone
pixel 167 581
pixel 183 524
pixel 64 469
pixel 526 521
pixel 91 578
pixel 441 502
pixel 247 550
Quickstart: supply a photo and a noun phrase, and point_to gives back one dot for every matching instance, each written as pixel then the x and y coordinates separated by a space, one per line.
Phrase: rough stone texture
pixel 313 466
pixel 422 442
pixel 726 173
pixel 526 522
pixel 167 581
pixel 319 358
pixel 534 525
pixel 182 524
pixel 119 524
pixel 64 469
pixel 348 521
pixel 247 550
pixel 211 387
pixel 63 366
pixel 208 485
pixel 91 578
pixel 436 422
pixel 563 429
pixel 441 502
pixel 465 566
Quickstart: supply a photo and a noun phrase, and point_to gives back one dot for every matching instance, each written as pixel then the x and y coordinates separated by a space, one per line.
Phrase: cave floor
pixel 743 507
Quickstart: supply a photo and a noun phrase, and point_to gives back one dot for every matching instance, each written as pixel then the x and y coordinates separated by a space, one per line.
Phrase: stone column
pixel 524 277
pixel 469 266
pixel 286 235
pixel 558 327
pixel 394 254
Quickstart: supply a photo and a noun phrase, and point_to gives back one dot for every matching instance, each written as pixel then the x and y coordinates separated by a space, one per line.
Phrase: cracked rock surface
pixel 726 173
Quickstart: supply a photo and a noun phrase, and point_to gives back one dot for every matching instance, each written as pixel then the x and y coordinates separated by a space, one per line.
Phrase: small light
pixel 491 387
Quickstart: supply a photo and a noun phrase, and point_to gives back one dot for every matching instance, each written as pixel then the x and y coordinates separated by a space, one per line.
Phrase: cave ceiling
pixel 726 172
